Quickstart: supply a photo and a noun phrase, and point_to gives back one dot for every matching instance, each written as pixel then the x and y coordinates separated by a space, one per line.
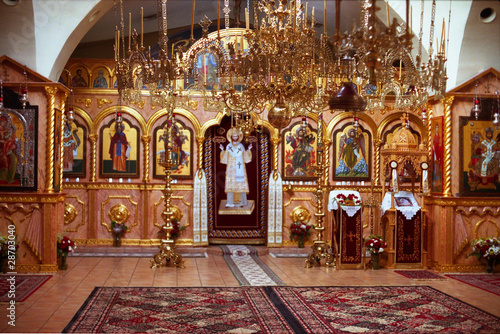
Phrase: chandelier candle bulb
pixel 388 16
pixel 312 19
pixel 324 18
pixel 247 19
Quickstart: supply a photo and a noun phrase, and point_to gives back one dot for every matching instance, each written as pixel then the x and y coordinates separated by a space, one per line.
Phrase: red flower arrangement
pixel 349 200
pixel 375 244
pixel 488 249
pixel 64 245
pixel 300 229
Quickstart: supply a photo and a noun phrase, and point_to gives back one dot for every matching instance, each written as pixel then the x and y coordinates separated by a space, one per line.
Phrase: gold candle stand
pixel 167 247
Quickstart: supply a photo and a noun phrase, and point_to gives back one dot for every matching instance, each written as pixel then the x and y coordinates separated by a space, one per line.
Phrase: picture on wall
pixel 479 158
pixel 182 139
pixel 351 160
pixel 299 152
pixel 18 149
pixel 119 150
pixel 74 147
pixel 437 155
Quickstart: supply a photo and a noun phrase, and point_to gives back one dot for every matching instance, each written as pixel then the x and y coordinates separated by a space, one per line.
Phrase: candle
pixel 218 19
pixel 324 19
pixel 442 34
pixel 129 28
pixel 247 18
pixel 312 19
pixel 388 16
pixel 116 38
pixel 118 43
pixel 142 26
pixel 192 20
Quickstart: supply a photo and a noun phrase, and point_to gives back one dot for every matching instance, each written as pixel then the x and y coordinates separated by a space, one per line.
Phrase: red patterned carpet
pixel 488 282
pixel 25 285
pixel 282 309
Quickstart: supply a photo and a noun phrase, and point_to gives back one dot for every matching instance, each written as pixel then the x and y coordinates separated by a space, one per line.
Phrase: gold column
pixel 93 153
pixel 327 144
pixel 429 131
pixel 276 145
pixel 447 102
pixel 376 178
pixel 200 140
pixel 146 140
pixel 63 107
pixel 51 123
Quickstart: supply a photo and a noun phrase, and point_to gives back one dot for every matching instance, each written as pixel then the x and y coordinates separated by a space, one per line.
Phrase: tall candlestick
pixel 442 34
pixel 116 47
pixel 218 19
pixel 129 28
pixel 142 26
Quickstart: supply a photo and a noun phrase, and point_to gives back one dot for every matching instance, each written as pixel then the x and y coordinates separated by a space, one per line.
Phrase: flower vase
pixel 63 265
pixel 375 258
pixel 301 242
pixel 490 266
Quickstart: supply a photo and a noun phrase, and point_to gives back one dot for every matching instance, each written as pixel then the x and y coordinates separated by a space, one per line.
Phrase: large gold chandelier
pixel 281 68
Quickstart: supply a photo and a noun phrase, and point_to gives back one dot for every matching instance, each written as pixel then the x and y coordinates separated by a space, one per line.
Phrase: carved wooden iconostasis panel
pixel 228 224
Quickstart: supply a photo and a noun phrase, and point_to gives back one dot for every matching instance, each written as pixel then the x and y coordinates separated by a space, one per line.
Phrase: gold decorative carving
pixel 461 202
pixel 129 242
pixel 161 201
pixel 300 213
pixel 326 144
pixel 447 102
pixel 300 199
pixel 120 212
pixel 51 125
pixel 146 140
pixel 476 212
pixel 376 178
pixel 93 154
pixel 102 102
pixel 70 213
pixel 67 222
pixel 86 102
pixel 481 222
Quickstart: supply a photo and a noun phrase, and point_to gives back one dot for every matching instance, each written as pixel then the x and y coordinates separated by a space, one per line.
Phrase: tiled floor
pixel 52 306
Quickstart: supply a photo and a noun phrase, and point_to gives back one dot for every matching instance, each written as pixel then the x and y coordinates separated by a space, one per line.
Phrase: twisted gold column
pixel 429 131
pixel 93 153
pixel 51 123
pixel 326 145
pixel 61 167
pixel 447 102
pixel 146 140
pixel 376 178
pixel 200 140
pixel 276 145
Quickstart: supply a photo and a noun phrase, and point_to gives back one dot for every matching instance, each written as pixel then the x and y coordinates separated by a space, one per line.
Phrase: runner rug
pixel 420 275
pixel 24 287
pixel 278 309
pixel 247 267
pixel 488 282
